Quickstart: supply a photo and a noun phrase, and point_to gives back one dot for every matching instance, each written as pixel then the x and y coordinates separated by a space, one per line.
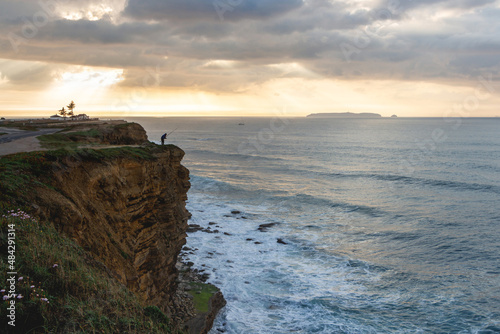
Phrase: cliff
pixel 129 212
pixel 124 206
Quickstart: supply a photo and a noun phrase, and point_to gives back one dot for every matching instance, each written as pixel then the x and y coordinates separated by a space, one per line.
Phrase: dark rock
pixel 225 233
pixel 265 227
pixel 212 223
pixel 280 241
pixel 194 228
pixel 235 212
pixel 258 243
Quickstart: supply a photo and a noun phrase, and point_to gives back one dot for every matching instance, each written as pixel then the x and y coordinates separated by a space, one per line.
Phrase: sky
pixel 412 58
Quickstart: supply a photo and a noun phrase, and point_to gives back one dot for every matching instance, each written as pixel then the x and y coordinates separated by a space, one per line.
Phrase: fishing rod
pixel 168 134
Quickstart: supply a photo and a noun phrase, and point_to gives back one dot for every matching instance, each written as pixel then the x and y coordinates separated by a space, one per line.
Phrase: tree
pixel 71 107
pixel 62 112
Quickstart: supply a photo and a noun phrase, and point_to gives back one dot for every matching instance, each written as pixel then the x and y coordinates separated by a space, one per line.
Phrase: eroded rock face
pixel 128 212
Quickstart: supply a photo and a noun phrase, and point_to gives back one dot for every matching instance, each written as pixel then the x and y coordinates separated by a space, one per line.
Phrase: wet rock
pixel 249 239
pixel 266 227
pixel 280 241
pixel 225 233
pixel 212 223
pixel 194 228
pixel 258 243
pixel 235 212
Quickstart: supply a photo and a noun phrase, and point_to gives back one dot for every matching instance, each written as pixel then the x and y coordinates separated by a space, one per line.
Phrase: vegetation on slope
pixel 59 287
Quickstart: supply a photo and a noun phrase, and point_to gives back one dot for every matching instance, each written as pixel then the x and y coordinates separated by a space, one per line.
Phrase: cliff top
pixel 19 137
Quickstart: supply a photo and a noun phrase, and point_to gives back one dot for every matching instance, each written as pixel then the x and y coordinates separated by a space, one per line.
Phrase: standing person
pixel 163 137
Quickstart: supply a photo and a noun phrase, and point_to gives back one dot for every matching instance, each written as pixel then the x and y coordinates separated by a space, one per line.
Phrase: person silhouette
pixel 163 137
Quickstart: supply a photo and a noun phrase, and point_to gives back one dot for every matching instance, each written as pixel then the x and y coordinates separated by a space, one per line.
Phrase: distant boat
pixel 241 123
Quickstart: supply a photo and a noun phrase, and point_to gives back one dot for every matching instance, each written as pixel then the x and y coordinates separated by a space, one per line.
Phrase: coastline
pixel 117 211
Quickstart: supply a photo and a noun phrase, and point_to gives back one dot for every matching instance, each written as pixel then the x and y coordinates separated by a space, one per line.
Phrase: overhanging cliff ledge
pixel 124 206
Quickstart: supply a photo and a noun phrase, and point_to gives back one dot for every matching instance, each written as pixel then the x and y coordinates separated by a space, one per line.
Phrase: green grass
pixel 82 297
pixel 3 133
pixel 69 140
pixel 202 292
pixel 124 125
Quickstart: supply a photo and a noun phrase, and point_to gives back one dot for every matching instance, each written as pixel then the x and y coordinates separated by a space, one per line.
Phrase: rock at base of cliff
pixel 203 321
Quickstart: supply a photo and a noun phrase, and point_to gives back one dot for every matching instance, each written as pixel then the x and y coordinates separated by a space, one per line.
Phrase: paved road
pixel 18 134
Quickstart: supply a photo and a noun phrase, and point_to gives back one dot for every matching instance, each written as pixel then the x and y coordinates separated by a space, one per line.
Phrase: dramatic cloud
pixel 225 46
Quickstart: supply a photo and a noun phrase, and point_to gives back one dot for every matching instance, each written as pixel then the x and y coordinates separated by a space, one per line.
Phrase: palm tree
pixel 62 112
pixel 71 107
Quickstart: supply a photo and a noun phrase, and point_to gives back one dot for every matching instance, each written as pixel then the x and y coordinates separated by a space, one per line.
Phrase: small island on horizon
pixel 346 115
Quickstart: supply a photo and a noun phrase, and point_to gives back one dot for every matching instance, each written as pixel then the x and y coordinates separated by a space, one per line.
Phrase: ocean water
pixel 387 225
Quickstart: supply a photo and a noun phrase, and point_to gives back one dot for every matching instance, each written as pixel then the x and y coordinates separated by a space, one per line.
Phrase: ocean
pixel 345 225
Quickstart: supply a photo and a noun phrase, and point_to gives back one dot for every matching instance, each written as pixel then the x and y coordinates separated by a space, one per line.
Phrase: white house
pixel 56 118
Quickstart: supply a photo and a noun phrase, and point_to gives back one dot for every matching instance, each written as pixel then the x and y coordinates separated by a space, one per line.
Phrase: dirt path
pixel 16 141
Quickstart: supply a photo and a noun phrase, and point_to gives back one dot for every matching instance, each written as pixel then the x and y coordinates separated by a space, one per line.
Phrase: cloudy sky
pixel 250 57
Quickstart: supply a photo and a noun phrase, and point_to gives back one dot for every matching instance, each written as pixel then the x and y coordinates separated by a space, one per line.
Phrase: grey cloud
pixel 28 75
pixel 178 10
pixel 101 31
pixel 309 33
pixel 397 7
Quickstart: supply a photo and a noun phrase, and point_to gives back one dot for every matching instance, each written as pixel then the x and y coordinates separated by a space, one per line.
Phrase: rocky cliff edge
pixel 126 207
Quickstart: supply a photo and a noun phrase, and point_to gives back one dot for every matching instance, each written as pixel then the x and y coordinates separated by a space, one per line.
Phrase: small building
pixel 56 118
pixel 80 117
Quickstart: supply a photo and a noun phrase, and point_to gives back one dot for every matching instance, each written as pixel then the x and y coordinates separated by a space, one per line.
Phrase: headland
pixel 100 219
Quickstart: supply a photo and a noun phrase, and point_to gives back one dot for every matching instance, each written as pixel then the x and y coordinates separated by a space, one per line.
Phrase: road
pixel 16 141
pixel 14 134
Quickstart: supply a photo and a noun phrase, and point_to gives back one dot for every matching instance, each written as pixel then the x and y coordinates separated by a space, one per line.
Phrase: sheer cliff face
pixel 127 211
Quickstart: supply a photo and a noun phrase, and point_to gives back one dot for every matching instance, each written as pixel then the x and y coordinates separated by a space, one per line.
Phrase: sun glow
pixel 91 13
pixel 220 63
pixel 88 76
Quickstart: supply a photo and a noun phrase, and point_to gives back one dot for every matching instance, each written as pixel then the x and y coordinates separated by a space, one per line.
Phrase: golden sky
pixel 433 58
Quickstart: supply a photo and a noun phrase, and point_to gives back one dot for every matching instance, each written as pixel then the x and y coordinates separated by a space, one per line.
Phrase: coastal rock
pixel 266 227
pixel 281 241
pixel 203 322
